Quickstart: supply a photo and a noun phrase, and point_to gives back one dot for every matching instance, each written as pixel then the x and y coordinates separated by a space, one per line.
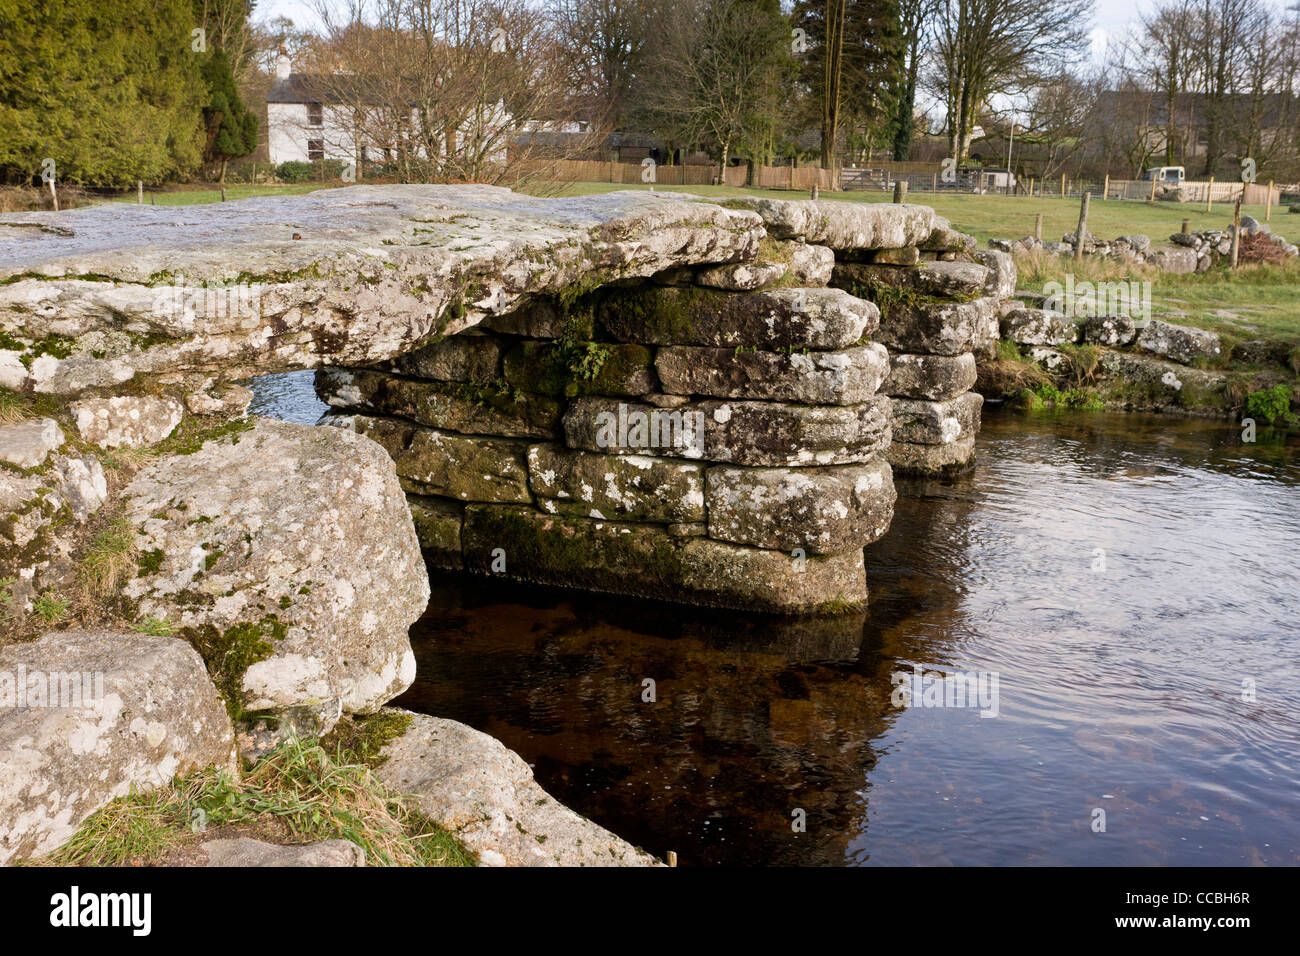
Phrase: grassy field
pixel 195 195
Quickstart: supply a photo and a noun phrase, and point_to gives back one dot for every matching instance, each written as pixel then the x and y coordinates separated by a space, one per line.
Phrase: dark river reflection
pixel 1120 673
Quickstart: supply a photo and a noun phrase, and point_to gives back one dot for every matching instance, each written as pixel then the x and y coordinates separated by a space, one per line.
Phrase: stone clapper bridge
pixel 637 393
pixel 640 393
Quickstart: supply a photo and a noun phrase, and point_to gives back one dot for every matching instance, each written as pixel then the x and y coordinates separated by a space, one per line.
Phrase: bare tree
pixel 989 47
pixel 720 74
pixel 602 42
pixel 441 89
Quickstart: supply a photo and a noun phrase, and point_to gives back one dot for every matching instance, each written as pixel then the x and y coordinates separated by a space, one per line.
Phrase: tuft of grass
pixel 155 627
pixel 360 739
pixel 14 407
pixel 110 559
pixel 51 608
pixel 298 787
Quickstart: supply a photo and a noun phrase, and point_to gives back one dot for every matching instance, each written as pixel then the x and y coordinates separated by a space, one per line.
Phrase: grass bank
pixel 304 791
pixel 1256 302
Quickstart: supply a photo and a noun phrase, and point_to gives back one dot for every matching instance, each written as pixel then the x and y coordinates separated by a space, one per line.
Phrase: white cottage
pixel 303 124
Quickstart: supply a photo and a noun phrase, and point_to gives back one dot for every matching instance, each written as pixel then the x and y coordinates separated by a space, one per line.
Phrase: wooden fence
pixel 765 177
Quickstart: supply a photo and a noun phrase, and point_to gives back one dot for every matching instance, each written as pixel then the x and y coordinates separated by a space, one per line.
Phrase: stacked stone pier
pixel 715 436
pixel 940 306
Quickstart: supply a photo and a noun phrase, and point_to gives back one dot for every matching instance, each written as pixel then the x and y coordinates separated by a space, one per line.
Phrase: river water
pixel 1130 582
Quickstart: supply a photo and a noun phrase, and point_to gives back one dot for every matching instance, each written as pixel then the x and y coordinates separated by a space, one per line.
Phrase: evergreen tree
pixel 853 68
pixel 111 93
pixel 231 126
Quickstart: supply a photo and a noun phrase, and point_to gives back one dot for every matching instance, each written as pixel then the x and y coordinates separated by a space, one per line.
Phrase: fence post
pixel 611 170
pixel 139 192
pixel 1268 202
pixel 1236 231
pixel 900 190
pixel 934 185
pixel 54 196
pixel 1153 190
pixel 813 193
pixel 1062 185
pixel 1105 189
pixel 1209 195
pixel 1038 227
pixel 1187 226
pixel 1083 226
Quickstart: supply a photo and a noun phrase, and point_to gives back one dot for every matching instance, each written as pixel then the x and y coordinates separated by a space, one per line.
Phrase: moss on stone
pixel 230 653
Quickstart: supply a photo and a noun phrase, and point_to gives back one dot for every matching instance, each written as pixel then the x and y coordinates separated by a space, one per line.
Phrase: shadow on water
pixel 1121 575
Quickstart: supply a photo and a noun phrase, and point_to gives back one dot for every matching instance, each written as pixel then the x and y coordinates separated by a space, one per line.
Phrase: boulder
pixel 810 265
pixel 1181 261
pixel 1039 327
pixel 36 538
pixel 131 421
pixel 820 378
pixel 781 318
pixel 907 256
pixel 1262 352
pixel 944 238
pixel 742 276
pixel 87 717
pixel 647 561
pixel 564 369
pixel 451 406
pixel 1131 380
pixel 843 225
pixel 943 279
pixel 458 358
pixel 935 378
pixel 82 483
pixel 822 510
pixel 626 487
pixel 1002 273
pixel 290 549
pixel 246 852
pixel 907 458
pixel 27 444
pixel 1109 330
pixel 936 423
pixel 437 527
pixel 936 328
pixel 433 462
pixel 736 432
pixel 484 794
pixel 1181 343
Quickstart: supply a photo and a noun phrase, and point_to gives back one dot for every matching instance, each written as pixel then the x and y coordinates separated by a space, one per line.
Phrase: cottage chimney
pixel 283 65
